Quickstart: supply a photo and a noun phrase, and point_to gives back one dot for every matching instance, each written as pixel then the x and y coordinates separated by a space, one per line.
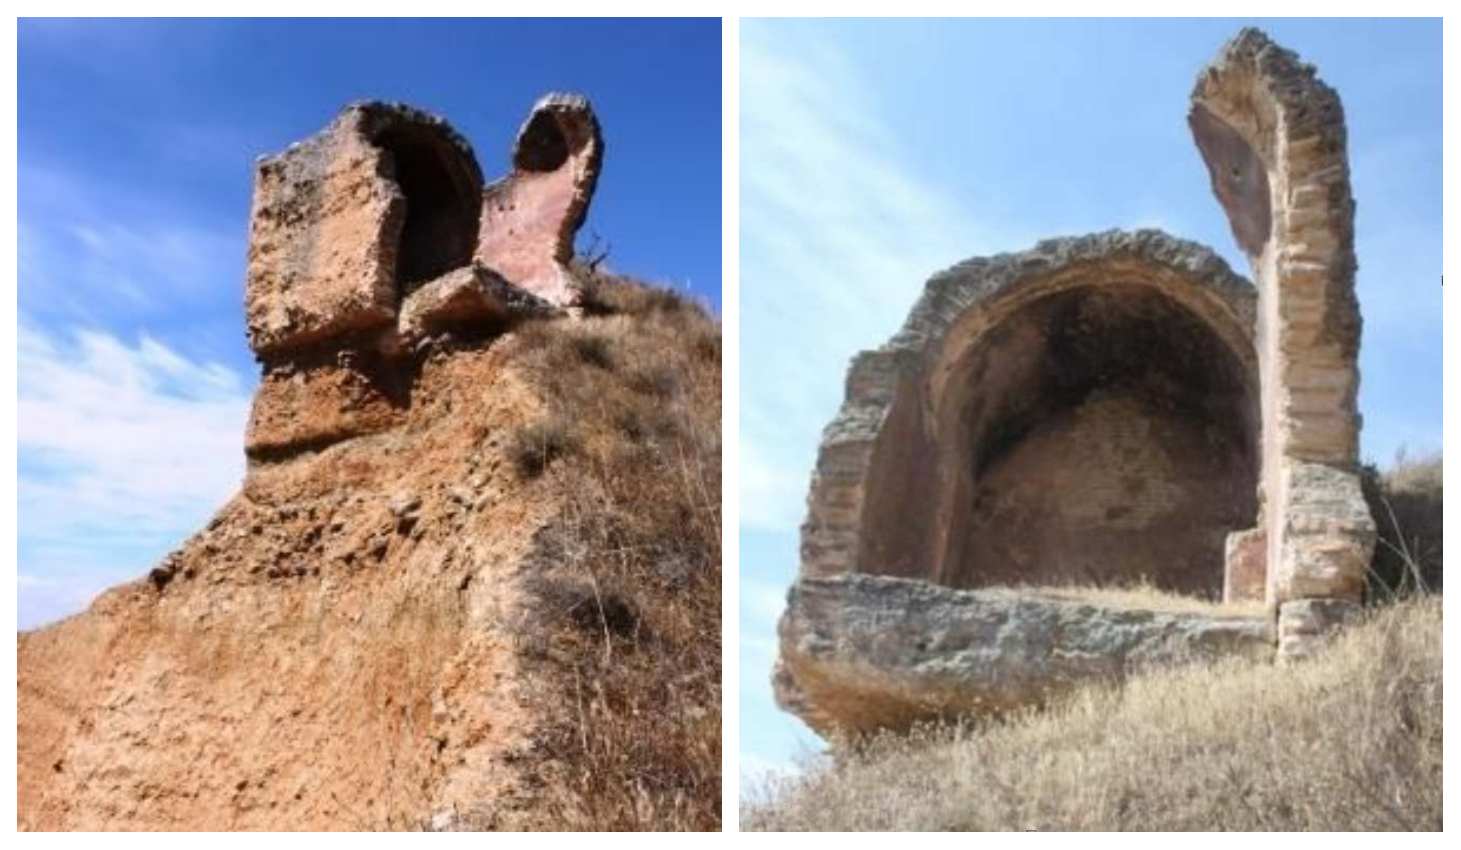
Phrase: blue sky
pixel 875 153
pixel 136 148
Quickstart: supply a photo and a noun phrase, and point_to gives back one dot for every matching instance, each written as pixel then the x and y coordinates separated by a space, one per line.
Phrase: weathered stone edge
pixel 863 652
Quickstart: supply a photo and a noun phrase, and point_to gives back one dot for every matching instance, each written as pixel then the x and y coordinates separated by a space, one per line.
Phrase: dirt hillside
pixel 501 612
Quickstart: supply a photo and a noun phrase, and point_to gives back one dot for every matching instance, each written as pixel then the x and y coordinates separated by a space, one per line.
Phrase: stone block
pixel 1305 626
pixel 861 653
pixel 469 296
pixel 1245 566
pixel 317 402
pixel 346 221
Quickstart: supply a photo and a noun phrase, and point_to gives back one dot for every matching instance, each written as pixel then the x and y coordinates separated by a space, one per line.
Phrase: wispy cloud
pixel 123 450
pixel 93 254
pixel 838 235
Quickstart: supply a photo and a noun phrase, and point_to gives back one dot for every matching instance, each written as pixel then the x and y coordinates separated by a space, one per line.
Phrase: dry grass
pixel 624 624
pixel 1406 503
pixel 538 444
pixel 1142 596
pixel 1350 740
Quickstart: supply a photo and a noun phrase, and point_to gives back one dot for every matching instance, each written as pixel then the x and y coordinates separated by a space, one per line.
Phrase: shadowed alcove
pixel 442 186
pixel 1090 425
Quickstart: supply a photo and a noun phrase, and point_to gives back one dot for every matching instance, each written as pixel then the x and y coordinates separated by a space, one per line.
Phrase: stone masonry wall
pixel 1274 140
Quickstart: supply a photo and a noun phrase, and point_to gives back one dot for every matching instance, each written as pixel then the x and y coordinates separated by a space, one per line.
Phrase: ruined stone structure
pixel 1273 137
pixel 376 233
pixel 1101 410
pixel 381 628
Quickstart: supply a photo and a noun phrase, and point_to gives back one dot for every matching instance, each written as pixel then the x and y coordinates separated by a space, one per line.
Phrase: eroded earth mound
pixel 472 576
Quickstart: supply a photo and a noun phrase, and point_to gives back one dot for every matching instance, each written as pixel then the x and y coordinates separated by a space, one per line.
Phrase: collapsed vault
pixel 377 233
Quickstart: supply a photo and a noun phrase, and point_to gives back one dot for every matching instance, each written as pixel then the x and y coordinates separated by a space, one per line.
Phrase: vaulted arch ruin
pixel 440 186
pixel 1101 411
pixel 1087 415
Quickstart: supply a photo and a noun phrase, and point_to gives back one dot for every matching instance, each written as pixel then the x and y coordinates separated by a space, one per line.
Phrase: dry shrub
pixel 536 445
pixel 1405 501
pixel 593 350
pixel 623 625
pixel 1350 740
pixel 606 294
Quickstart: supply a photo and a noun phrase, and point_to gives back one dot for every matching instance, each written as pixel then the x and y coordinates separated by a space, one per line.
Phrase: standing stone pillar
pixel 1273 137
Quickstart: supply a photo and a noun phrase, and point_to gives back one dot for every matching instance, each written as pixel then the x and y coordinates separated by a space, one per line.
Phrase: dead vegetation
pixel 623 620
pixel 1405 501
pixel 1144 596
pixel 1348 741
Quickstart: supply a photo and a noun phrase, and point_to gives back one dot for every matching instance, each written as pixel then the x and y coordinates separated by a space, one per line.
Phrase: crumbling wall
pixel 376 235
pixel 1094 411
pixel 385 192
pixel 1274 140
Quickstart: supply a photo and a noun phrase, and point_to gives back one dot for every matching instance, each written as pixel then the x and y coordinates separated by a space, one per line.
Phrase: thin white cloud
pixel 772 494
pixel 90 253
pixel 123 450
pixel 838 236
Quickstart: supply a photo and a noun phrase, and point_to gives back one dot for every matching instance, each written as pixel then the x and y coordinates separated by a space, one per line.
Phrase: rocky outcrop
pixel 861 653
pixel 336 650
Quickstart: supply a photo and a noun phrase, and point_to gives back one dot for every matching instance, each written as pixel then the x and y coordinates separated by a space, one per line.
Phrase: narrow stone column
pixel 1273 137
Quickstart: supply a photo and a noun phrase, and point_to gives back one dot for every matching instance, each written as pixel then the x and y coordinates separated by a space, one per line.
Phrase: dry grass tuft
pixel 624 622
pixel 1142 596
pixel 1405 501
pixel 538 444
pixel 1350 740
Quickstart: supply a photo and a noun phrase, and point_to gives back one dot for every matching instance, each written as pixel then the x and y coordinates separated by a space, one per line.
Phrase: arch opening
pixel 542 146
pixel 443 204
pixel 1122 448
pixel 1094 435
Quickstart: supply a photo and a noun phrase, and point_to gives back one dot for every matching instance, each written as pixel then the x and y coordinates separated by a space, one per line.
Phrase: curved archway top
pixel 377 120
pixel 960 303
pixel 1266 126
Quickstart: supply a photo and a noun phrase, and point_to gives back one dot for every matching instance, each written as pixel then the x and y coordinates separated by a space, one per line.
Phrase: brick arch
pixel 1274 140
pixel 440 187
